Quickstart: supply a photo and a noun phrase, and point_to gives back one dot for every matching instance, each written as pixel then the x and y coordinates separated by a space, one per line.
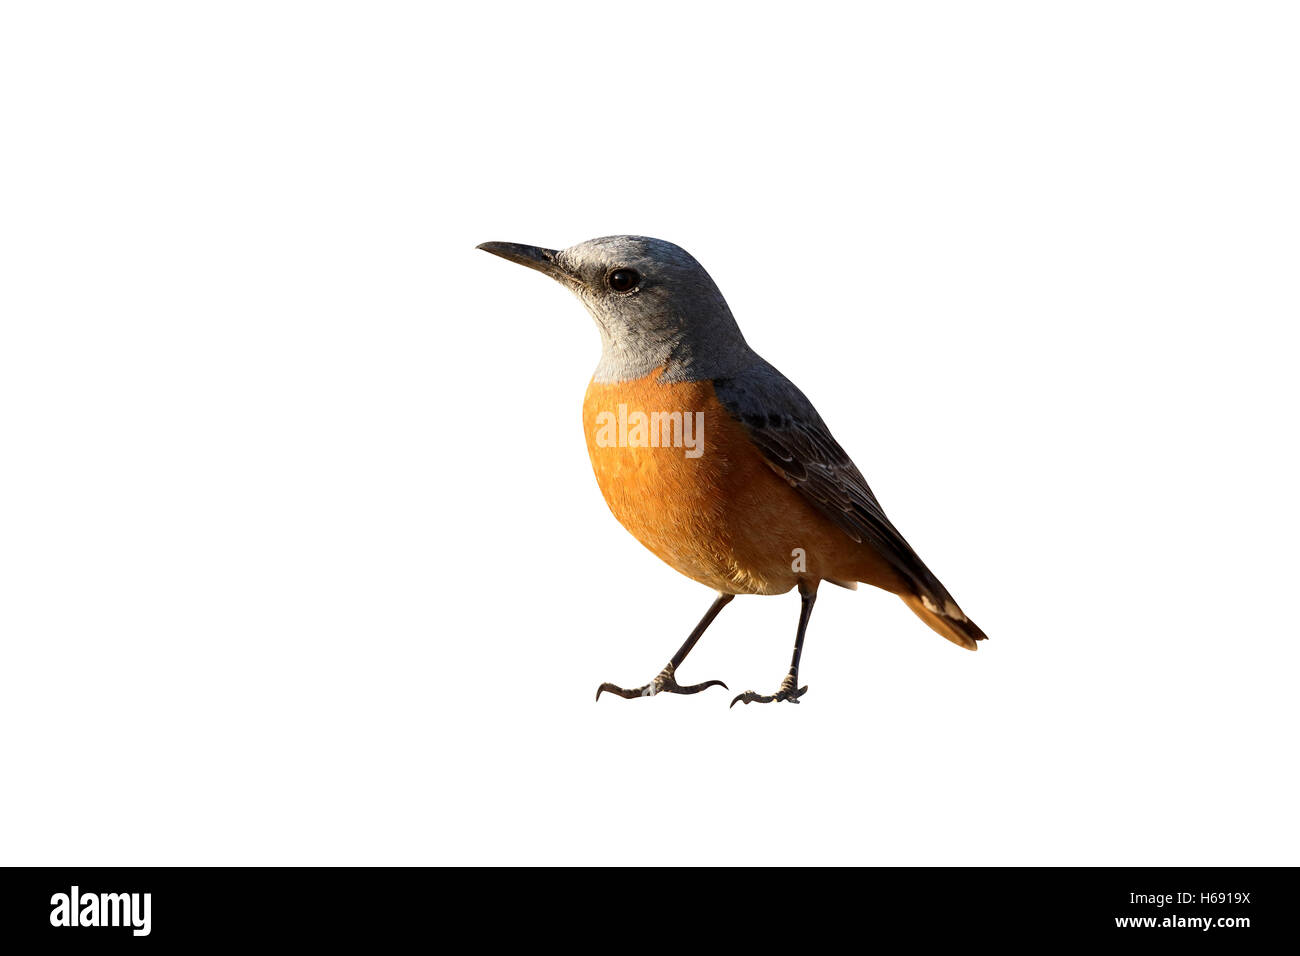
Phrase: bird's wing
pixel 783 424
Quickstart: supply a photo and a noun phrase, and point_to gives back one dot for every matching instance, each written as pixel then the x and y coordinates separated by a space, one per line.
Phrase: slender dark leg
pixel 808 592
pixel 666 682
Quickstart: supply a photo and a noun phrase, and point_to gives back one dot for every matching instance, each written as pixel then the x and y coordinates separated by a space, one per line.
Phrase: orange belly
pixel 705 500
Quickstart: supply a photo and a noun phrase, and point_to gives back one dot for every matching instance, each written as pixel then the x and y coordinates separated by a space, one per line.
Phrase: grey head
pixel 655 306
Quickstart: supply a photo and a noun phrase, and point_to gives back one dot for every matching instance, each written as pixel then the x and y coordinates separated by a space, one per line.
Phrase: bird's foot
pixel 665 683
pixel 787 692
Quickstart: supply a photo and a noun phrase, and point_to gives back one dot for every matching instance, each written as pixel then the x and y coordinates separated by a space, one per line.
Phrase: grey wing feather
pixel 786 428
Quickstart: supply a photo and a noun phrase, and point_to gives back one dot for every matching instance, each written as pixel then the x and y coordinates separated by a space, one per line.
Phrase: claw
pixel 665 683
pixel 615 689
pixel 785 693
pixel 696 688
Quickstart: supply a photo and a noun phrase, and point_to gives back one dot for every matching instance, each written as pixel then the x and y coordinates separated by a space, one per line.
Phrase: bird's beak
pixel 534 257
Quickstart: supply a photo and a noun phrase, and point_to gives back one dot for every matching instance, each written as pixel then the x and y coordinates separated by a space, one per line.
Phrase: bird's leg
pixel 788 691
pixel 666 682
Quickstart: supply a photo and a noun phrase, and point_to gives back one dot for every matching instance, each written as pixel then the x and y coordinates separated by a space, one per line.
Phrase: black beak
pixel 534 257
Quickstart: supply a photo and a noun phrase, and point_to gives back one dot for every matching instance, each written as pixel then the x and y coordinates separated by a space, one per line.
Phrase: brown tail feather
pixel 948 620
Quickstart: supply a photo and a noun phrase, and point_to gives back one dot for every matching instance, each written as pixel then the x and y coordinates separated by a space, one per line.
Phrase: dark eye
pixel 624 280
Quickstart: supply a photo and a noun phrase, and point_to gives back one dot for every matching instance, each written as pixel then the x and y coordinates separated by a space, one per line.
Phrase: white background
pixel 301 557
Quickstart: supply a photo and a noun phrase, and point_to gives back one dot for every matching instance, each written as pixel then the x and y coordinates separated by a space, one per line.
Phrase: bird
pixel 717 462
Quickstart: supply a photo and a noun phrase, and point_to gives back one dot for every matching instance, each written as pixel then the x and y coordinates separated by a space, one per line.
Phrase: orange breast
pixel 683 477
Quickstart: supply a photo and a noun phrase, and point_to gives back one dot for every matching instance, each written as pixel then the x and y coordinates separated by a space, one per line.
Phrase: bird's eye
pixel 624 280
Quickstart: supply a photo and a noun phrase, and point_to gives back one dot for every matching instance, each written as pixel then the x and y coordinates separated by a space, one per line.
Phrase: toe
pixel 751 697
pixel 620 691
pixel 696 688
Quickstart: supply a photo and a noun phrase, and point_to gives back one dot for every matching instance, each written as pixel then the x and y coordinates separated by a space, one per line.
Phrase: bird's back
pixel 794 441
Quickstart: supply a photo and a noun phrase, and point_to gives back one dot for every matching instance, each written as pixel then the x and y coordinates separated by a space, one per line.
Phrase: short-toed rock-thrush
pixel 714 460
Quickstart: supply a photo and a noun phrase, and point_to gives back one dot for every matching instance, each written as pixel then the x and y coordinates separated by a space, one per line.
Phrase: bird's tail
pixel 945 618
